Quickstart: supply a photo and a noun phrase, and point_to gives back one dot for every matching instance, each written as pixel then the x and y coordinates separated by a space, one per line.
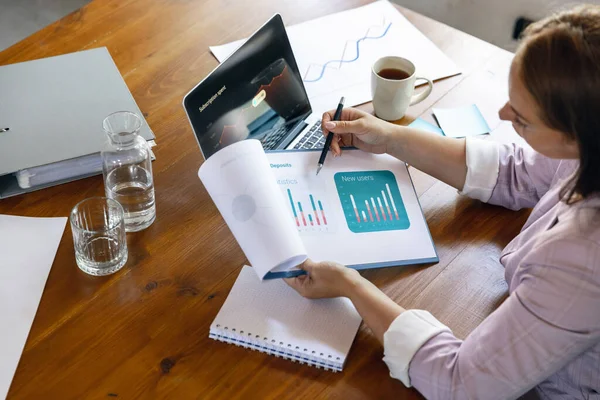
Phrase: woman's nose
pixel 506 113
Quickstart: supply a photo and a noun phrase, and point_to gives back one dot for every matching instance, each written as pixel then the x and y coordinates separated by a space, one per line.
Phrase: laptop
pixel 256 93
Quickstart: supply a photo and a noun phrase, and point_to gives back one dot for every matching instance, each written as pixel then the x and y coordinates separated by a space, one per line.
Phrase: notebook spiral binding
pixel 277 348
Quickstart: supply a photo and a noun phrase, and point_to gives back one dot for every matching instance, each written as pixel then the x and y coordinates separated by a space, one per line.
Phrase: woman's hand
pixel 359 129
pixel 325 280
pixel 329 279
pixel 442 157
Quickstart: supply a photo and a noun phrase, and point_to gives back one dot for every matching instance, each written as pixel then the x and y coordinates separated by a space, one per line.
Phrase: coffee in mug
pixel 393 74
pixel 392 87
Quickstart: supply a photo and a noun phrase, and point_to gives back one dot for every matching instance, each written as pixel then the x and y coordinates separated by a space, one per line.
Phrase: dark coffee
pixel 393 73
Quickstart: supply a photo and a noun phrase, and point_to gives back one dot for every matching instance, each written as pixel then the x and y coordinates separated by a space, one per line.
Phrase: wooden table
pixel 143 332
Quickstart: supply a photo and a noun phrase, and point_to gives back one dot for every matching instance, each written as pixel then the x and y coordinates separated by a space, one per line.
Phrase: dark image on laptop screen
pixel 257 91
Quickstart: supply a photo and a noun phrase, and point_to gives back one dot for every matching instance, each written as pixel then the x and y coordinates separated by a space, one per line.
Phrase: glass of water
pixel 99 235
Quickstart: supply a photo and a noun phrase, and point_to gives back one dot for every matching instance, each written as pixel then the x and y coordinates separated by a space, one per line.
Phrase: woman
pixel 546 335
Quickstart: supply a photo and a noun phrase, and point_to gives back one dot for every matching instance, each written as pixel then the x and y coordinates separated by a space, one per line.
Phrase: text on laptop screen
pixel 255 91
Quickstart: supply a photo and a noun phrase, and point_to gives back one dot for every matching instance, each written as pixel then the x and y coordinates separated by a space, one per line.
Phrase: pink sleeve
pixel 507 175
pixel 552 317
pixel 524 176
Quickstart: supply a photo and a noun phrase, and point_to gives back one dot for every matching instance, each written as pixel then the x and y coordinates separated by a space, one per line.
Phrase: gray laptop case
pixel 54 109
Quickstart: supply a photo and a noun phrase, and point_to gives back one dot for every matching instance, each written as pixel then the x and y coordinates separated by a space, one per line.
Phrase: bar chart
pixel 371 201
pixel 308 210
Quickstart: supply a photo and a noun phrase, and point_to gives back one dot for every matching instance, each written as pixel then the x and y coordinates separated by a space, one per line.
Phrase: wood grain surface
pixel 143 332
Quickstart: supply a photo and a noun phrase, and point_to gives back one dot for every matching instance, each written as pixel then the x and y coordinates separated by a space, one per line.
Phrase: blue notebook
pixel 425 126
pixel 462 121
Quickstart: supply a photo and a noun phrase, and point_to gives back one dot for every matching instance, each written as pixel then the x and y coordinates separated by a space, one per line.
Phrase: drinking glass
pixel 99 236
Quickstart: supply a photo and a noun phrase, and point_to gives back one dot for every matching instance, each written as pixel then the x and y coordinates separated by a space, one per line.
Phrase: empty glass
pixel 99 236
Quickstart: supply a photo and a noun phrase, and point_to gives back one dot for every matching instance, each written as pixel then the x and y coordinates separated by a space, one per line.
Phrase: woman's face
pixel 522 110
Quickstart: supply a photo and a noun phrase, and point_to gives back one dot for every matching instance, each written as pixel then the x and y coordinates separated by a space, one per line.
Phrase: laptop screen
pixel 256 90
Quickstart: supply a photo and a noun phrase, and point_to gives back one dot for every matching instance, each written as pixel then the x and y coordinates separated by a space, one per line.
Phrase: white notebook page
pixel 270 313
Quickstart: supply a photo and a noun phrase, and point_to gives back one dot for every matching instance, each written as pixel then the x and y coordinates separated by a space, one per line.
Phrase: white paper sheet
pixel 27 250
pixel 335 53
pixel 239 180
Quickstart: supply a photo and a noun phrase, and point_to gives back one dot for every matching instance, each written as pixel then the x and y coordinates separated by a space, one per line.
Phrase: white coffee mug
pixel 391 97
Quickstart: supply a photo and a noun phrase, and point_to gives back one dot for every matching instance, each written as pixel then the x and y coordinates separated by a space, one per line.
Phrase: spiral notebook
pixel 270 317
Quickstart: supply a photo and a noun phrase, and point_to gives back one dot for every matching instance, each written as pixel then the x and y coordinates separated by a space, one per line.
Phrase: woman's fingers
pixel 344 126
pixel 291 282
pixel 308 265
pixel 346 140
pixel 327 116
pixel 335 145
pixel 297 283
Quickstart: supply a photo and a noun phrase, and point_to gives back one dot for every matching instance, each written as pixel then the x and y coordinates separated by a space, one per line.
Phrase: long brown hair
pixel 560 67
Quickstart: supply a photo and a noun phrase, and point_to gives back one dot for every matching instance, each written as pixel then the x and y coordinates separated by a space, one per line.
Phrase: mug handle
pixel 417 98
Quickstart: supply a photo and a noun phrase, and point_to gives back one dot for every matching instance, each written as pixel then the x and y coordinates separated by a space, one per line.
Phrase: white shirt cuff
pixel 405 336
pixel 483 164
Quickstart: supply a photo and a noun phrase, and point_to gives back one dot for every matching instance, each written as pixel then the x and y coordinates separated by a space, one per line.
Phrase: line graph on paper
pixel 343 67
pixel 350 53
pixel 335 53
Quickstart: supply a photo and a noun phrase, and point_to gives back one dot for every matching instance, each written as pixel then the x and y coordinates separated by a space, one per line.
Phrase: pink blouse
pixel 544 340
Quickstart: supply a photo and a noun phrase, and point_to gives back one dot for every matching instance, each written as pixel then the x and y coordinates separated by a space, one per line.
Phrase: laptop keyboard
pixel 272 140
pixel 313 139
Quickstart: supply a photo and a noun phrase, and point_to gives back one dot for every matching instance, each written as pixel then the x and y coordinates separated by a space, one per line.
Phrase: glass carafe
pixel 127 169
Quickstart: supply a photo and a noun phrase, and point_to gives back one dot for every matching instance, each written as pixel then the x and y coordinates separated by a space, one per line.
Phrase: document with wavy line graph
pixel 335 53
